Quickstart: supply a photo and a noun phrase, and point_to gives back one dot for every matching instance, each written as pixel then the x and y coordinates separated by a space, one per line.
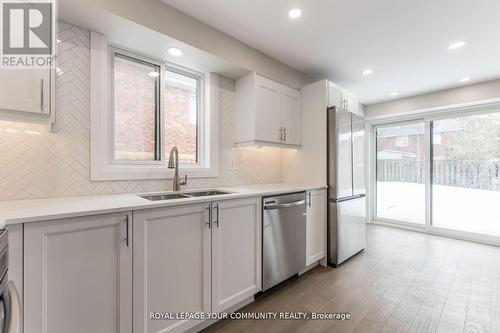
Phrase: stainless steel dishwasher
pixel 284 237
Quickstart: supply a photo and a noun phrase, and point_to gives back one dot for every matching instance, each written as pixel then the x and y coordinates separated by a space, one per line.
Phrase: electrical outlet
pixel 233 164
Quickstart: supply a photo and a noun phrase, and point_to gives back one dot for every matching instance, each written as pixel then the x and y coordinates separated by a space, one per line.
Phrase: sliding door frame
pixel 373 179
pixel 427 118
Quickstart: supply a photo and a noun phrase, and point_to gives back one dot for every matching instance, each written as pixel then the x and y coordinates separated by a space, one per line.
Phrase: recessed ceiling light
pixel 175 51
pixel 464 79
pixel 154 74
pixel 295 13
pixel 456 45
pixel 367 71
pixel 394 94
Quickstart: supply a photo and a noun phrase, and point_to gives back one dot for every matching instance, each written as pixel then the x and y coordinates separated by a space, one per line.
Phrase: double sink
pixel 183 195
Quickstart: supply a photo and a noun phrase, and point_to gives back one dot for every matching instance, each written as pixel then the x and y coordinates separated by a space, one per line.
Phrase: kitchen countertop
pixel 24 211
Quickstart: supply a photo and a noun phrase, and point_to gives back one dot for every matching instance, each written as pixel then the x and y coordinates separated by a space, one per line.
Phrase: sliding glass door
pixel 466 173
pixel 400 157
pixel 442 173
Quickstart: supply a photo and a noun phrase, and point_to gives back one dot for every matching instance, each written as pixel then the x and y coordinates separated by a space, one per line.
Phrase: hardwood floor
pixel 403 282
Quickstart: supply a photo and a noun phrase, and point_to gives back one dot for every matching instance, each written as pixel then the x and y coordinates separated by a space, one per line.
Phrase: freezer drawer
pixel 347 228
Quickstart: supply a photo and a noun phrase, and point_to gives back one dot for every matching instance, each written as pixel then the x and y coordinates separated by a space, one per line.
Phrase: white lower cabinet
pixel 236 252
pixel 316 226
pixel 78 275
pixel 172 269
pixel 79 278
pixel 194 258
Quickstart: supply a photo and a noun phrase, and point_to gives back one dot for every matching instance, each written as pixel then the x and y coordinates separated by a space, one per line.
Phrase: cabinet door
pixel 316 226
pixel 348 101
pixel 267 110
pixel 236 252
pixel 334 95
pixel 25 90
pixel 292 117
pixel 171 266
pixel 78 275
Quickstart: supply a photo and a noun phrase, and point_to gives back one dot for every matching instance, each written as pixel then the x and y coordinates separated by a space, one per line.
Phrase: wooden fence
pixel 477 174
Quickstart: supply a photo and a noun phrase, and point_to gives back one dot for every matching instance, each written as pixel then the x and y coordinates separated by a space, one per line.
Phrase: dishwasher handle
pixel 284 205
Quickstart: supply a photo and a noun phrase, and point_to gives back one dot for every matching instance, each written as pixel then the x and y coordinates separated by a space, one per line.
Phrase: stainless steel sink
pixel 205 193
pixel 171 196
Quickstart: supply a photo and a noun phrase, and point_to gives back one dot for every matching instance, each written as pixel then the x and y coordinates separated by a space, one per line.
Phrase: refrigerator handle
pixel 351 197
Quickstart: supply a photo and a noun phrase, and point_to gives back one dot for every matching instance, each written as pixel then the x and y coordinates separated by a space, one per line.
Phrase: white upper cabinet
pixel 348 101
pixel 78 275
pixel 292 120
pixel 268 122
pixel 26 90
pixel 340 97
pixel 334 95
pixel 267 113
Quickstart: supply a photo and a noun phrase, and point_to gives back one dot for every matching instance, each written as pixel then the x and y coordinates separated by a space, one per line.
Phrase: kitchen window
pixel 180 97
pixel 149 106
pixel 136 109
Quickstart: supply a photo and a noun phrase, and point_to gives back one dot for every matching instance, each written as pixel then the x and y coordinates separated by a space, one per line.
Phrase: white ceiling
pixel 404 41
pixel 129 35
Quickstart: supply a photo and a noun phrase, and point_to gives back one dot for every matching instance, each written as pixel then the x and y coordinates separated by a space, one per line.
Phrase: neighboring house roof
pixel 417 129
pixel 394 155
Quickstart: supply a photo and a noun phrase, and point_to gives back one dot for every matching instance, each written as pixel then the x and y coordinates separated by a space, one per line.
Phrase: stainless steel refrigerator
pixel 346 185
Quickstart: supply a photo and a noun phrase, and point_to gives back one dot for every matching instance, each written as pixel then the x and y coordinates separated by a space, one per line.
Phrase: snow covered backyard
pixel 453 207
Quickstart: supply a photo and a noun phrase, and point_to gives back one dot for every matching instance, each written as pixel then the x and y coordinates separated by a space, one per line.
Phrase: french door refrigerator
pixel 346 185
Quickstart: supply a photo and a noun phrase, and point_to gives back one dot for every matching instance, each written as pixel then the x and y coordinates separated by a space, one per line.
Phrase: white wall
pixel 165 19
pixel 466 94
pixel 35 163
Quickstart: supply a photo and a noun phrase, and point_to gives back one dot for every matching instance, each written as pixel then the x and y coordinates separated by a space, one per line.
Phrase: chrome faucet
pixel 174 155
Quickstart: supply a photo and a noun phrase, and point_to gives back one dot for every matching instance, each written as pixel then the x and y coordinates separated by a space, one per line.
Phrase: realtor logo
pixel 27 33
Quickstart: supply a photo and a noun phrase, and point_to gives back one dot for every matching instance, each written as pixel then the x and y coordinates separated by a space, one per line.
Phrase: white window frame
pixel 159 111
pixel 426 116
pixel 103 166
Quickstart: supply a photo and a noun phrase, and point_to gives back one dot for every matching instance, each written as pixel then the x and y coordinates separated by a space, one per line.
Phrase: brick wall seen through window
pixel 136 114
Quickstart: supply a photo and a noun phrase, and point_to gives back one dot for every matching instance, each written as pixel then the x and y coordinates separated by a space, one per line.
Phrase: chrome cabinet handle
pixel 126 229
pixel 310 198
pixel 216 221
pixel 209 207
pixel 281 133
pixel 284 131
pixel 42 96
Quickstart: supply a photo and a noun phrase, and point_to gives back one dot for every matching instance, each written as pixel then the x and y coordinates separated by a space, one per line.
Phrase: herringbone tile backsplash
pixel 35 163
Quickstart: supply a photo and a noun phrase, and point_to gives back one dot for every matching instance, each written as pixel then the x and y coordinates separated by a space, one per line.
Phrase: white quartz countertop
pixel 24 211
